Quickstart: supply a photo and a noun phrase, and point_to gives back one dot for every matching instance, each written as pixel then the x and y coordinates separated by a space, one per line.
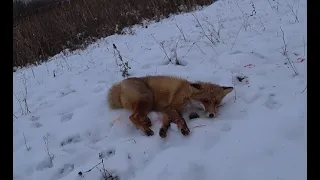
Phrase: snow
pixel 260 132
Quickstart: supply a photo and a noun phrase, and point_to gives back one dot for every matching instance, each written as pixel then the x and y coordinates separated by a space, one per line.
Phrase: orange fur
pixel 211 96
pixel 166 94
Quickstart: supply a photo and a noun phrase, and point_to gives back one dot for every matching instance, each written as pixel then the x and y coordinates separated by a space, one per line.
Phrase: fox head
pixel 210 96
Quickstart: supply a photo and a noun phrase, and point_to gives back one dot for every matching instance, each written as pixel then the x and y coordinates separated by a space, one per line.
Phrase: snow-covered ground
pixel 260 133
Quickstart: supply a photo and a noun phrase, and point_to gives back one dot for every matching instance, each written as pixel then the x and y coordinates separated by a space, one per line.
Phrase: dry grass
pixel 42 29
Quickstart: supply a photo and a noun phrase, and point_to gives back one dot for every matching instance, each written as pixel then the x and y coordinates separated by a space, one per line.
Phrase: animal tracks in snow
pixel 63 171
pixel 66 92
pixel 35 121
pixel 271 103
pixel 66 116
pixel 70 140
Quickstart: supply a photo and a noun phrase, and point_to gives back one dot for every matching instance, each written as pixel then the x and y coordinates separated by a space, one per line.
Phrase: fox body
pixel 166 94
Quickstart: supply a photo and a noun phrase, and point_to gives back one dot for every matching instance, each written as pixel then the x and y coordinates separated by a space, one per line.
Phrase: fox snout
pixel 210 115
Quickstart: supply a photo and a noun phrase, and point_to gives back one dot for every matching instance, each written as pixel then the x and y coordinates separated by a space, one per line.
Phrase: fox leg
pixel 137 97
pixel 165 126
pixel 181 123
pixel 135 120
pixel 176 117
pixel 140 117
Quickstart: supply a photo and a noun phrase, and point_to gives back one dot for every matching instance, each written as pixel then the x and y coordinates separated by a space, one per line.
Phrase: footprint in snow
pixel 45 163
pixel 63 171
pixel 66 117
pixel 271 103
pixel 67 92
pixel 70 139
pixel 107 153
pixel 34 118
pixel 36 124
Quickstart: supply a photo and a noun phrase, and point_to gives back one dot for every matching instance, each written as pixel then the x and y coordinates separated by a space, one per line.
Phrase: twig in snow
pixel 24 80
pixel 278 5
pixel 25 142
pixel 213 41
pixel 45 63
pixel 174 55
pixel 80 173
pixel 285 53
pixel 242 12
pixel 197 126
pixel 294 13
pixel 22 112
pixel 264 28
pixel 34 76
pixel 131 140
pixel 270 4
pixel 181 31
pixel 46 143
pixel 213 32
pixel 188 50
pixel 200 49
pixel 162 47
pixel 106 175
pixel 234 87
pixel 234 41
pixel 124 66
pixel 304 89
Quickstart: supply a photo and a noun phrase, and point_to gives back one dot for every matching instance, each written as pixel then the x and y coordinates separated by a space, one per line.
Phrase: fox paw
pixel 162 133
pixel 185 131
pixel 193 115
pixel 148 123
pixel 149 132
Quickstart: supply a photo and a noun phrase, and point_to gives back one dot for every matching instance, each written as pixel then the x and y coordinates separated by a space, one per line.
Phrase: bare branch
pixel 124 66
pixel 304 89
pixel 24 80
pixel 293 12
pixel 25 142
pixel 162 48
pixel 204 33
pixel 181 31
pixel 285 53
pixel 22 112
pixel 46 142
pixel 234 87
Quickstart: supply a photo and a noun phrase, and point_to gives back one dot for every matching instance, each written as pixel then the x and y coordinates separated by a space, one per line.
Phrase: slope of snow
pixel 260 132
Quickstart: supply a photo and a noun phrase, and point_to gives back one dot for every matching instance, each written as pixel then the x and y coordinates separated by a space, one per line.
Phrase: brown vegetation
pixel 44 28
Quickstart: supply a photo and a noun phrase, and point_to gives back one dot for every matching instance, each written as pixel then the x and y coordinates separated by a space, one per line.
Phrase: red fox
pixel 166 94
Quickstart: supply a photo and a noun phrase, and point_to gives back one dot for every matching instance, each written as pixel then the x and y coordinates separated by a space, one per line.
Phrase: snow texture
pixel 62 124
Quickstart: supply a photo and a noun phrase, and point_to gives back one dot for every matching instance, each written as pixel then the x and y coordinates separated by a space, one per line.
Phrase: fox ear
pixel 227 90
pixel 196 85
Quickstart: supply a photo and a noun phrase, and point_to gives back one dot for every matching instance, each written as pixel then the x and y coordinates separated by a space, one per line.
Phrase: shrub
pixel 44 28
